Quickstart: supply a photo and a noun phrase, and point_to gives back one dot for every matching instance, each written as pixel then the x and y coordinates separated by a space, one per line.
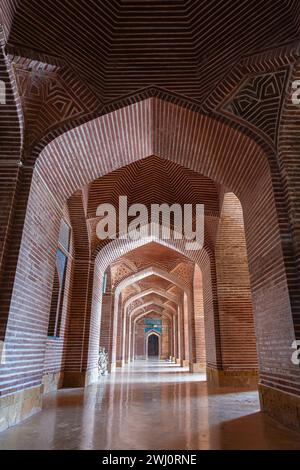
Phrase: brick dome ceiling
pixel 152 254
pixel 155 254
pixel 117 47
pixel 152 180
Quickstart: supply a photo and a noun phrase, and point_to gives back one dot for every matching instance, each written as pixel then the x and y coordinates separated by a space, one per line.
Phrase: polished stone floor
pixel 150 405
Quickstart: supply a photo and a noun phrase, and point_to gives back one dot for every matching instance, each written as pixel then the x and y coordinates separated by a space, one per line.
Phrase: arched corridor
pixel 149 239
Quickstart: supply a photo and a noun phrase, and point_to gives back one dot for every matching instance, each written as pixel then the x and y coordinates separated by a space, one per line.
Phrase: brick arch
pixel 204 258
pixel 11 137
pixel 141 275
pixel 160 292
pixel 128 317
pixel 118 248
pixel 130 347
pixel 135 98
pixel 204 145
pixel 240 164
pixel 112 86
pixel 154 302
pixel 272 236
pixel 166 314
pixel 150 127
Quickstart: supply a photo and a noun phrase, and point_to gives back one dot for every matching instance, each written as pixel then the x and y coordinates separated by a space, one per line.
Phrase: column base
pixel 119 363
pixel 74 379
pixel 18 406
pixel 185 363
pixel 232 378
pixel 281 406
pixel 179 362
pixel 197 367
pixel 52 381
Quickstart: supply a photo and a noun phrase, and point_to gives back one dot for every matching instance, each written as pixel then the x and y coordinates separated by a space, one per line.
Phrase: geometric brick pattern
pixel 174 49
pixel 46 101
pixel 140 98
pixel 258 101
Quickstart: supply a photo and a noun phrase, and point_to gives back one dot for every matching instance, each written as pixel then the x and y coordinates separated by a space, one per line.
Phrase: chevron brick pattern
pixel 171 101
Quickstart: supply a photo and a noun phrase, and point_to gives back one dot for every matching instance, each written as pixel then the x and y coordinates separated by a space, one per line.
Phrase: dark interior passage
pixel 153 349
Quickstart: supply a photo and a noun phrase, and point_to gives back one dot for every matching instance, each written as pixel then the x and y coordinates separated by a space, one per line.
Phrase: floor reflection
pixel 150 405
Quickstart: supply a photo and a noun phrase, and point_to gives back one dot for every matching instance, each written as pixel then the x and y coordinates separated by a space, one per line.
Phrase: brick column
pixel 199 353
pixel 139 350
pixel 82 344
pixel 165 346
pixel 238 342
pixel 175 337
pixel 180 329
pixel 106 317
pixel 76 372
pixel 211 317
pixel 188 332
pixel 118 339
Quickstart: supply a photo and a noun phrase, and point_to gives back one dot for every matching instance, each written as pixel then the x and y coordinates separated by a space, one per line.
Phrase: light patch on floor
pixel 150 405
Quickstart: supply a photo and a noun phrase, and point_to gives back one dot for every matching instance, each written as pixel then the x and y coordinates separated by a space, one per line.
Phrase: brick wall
pixel 26 332
pixel 54 349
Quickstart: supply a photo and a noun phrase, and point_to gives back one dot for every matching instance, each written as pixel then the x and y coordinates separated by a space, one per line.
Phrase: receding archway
pixel 165 275
pixel 190 139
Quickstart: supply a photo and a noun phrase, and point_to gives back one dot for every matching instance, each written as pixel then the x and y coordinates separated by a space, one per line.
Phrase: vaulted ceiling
pixel 119 46
pixel 149 255
pixel 75 60
pixel 154 180
pixel 149 181
pixel 80 59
